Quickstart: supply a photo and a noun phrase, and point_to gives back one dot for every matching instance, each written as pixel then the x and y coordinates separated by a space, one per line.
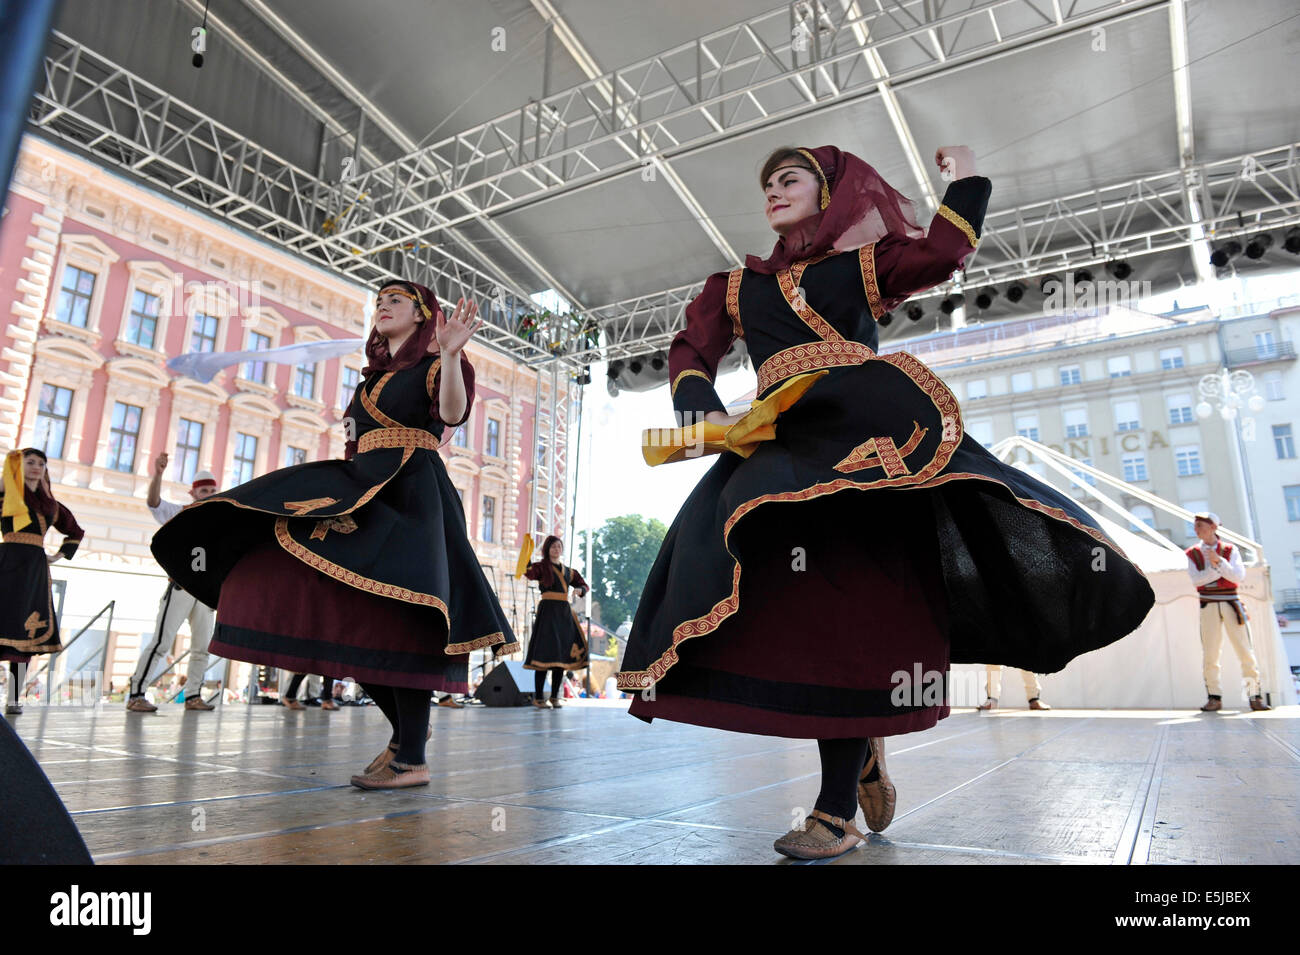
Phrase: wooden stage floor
pixel 590 784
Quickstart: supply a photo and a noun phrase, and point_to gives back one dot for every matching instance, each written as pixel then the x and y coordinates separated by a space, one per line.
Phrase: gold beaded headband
pixel 826 192
pixel 398 290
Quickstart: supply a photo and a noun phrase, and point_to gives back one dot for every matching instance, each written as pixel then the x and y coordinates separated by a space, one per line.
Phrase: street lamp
pixel 1229 391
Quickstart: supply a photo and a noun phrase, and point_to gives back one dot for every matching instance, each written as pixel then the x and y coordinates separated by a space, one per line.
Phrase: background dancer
pixel 360 566
pixel 752 618
pixel 557 643
pixel 174 608
pixel 28 625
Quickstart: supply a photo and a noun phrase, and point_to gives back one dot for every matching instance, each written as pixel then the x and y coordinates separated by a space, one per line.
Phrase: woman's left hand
pixel 54 558
pixel 453 333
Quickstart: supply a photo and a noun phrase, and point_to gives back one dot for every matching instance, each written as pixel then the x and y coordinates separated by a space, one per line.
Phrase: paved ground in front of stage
pixel 590 784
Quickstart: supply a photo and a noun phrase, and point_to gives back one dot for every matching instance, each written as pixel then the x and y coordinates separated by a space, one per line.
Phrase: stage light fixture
pixel 635 366
pixel 1291 240
pixel 915 313
pixel 950 304
pixel 1015 292
pixel 884 320
pixel 1257 246
pixel 985 298
pixel 1047 280
pixel 1082 276
pixel 1119 268
pixel 1225 253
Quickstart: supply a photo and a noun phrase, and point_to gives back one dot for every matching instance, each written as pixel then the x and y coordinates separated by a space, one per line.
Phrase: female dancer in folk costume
pixel 557 643
pixel 360 566
pixel 812 579
pixel 27 511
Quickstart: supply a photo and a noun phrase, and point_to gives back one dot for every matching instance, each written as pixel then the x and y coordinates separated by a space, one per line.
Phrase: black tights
pixel 407 710
pixel 326 687
pixel 539 681
pixel 842 762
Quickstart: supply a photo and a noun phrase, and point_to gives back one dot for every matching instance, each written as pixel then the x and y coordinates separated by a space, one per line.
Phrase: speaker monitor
pixel 508 684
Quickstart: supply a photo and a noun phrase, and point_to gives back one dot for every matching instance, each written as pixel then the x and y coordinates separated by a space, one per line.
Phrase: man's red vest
pixel 1217 587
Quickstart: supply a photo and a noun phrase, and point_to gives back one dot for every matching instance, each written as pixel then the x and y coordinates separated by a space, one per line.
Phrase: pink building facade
pixel 106 281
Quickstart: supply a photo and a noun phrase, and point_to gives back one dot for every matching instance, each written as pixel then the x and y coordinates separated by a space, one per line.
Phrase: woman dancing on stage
pixel 779 605
pixel 557 643
pixel 360 566
pixel 27 510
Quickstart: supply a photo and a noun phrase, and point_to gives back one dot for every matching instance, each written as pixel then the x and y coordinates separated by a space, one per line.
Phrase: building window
pixel 1022 381
pixel 1143 513
pixel 142 323
pixel 1171 358
pixel 461 438
pixel 348 381
pixel 489 520
pixel 123 436
pixel 1180 409
pixel 304 381
pixel 203 334
pixel 1283 441
pixel 52 413
pixel 1273 386
pixel 1121 366
pixel 493 434
pixel 1135 467
pixel 1027 426
pixel 256 370
pixel 74 297
pixel 1126 416
pixel 976 389
pixel 1076 422
pixel 294 456
pixel 245 458
pixel 1265 346
pixel 1070 375
pixel 1088 478
pixel 1188 459
pixel 981 431
pixel 1292 492
pixel 189 439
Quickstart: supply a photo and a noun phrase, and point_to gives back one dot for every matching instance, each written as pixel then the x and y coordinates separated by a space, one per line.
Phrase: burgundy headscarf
pixel 416 346
pixel 857 207
pixel 44 493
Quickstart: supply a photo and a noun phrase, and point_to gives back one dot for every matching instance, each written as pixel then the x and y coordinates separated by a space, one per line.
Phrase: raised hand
pixel 160 463
pixel 453 333
pixel 963 160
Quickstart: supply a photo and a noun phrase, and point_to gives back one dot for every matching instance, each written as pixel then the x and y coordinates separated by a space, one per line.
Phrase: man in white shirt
pixel 1216 569
pixel 175 607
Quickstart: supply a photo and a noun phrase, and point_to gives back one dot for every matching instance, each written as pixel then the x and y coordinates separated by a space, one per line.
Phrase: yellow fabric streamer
pixel 666 445
pixel 525 556
pixel 15 505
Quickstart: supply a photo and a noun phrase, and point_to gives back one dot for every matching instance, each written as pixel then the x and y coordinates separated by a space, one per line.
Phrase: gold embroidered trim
pixel 809 357
pixel 492 639
pixel 396 438
pixel 300 508
pixel 733 301
pixel 826 192
pixel 35 644
pixel 352 579
pixel 567 665
pixel 686 373
pixel 961 224
pixel 554 595
pixel 432 374
pixel 867 265
pixel 788 280
pixel 882 453
pixel 370 403
pixel 34 623
pixel 948 409
pixel 25 537
pixel 344 525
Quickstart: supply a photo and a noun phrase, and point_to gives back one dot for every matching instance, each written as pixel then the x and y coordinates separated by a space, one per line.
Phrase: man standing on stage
pixel 176 607
pixel 1216 570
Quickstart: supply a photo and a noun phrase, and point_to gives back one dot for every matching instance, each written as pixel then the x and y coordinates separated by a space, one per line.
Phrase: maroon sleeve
pixel 696 350
pixel 72 533
pixel 467 373
pixel 579 582
pixel 904 266
pixel 534 571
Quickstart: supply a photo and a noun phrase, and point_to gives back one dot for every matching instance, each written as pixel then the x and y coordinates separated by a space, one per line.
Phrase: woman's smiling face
pixel 792 193
pixel 395 313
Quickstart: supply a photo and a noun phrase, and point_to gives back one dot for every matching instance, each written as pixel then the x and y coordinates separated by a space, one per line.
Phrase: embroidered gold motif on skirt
pixel 304 507
pixel 881 452
pixel 344 525
pixel 34 623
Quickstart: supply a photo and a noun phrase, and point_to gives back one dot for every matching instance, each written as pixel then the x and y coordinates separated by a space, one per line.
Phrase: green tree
pixel 623 550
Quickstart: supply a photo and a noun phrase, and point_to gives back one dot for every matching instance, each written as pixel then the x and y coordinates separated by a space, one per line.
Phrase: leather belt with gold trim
pixel 23 537
pixel 396 438
pixel 810 356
